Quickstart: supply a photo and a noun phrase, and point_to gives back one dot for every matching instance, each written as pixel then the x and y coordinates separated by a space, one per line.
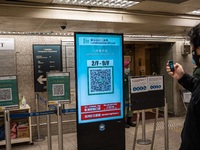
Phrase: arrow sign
pixel 40 79
pixel 46 58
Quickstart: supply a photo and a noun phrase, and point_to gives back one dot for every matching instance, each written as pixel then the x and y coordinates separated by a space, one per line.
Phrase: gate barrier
pixel 56 110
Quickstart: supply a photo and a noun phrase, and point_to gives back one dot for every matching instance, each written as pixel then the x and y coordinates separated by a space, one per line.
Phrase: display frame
pixel 106 133
pixel 95 61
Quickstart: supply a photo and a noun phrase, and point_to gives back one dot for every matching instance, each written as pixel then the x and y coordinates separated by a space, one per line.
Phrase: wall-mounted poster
pixel 8 92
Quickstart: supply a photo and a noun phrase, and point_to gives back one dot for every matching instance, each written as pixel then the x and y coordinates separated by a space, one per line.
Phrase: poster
pixel 145 84
pixel 139 85
pixel 58 87
pixel 8 92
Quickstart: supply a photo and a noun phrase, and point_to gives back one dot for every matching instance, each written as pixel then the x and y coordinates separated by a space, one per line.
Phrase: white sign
pixel 139 85
pixel 155 83
pixel 95 63
pixel 6 44
pixel 144 84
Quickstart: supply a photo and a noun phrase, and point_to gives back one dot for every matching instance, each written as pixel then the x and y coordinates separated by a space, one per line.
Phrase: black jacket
pixel 191 130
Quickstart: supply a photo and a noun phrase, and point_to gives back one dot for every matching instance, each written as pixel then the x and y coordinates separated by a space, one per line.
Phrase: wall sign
pixel 46 58
pixel 7 57
pixel 7 44
pixel 8 92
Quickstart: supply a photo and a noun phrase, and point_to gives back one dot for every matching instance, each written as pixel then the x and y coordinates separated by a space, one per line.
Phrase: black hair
pixel 194 35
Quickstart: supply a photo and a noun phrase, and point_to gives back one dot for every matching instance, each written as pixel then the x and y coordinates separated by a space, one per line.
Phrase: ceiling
pixel 149 17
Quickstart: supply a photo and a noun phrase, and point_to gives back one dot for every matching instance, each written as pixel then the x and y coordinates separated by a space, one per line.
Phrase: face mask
pixel 196 58
pixel 127 70
pixel 193 62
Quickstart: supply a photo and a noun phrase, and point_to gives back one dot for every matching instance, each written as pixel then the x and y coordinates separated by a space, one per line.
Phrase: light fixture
pixel 194 12
pixel 98 3
pixel 37 33
pixel 151 37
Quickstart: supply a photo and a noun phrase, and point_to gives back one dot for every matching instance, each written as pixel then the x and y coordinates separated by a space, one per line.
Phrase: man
pixel 128 112
pixel 191 130
pixel 196 72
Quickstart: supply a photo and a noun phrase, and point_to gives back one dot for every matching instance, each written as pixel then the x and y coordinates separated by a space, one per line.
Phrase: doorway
pixel 149 58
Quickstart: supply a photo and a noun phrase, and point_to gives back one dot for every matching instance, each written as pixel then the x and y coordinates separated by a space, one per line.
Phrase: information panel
pixel 99 84
pixel 147 92
pixel 46 58
pixel 58 87
pixel 8 92
pixel 99 73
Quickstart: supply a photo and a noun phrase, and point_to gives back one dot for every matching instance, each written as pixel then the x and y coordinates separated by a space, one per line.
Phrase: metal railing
pixel 56 110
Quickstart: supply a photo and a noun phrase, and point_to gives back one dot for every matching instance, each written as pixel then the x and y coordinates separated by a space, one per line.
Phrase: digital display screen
pixel 99 76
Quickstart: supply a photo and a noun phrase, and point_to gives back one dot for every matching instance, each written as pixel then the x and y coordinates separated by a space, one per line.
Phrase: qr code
pixel 5 94
pixel 58 89
pixel 100 80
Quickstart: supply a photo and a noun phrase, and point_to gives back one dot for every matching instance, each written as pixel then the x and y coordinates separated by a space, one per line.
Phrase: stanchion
pixel 136 129
pixel 60 131
pixel 49 130
pixel 39 137
pixel 154 130
pixel 59 110
pixel 143 141
pixel 166 125
pixel 7 129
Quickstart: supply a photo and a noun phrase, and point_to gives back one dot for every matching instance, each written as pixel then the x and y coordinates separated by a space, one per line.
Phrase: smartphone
pixel 171 65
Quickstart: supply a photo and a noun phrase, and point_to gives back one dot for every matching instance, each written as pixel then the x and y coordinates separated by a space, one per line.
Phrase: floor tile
pixel 70 140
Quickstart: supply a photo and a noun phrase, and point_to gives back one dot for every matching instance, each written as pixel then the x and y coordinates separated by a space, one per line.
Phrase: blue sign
pixel 99 70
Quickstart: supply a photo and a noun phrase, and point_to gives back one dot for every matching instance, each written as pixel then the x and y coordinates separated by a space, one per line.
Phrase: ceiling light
pixel 194 12
pixel 98 3
pixel 36 33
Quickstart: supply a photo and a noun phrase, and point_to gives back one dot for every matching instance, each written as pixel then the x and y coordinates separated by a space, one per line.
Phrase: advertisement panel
pixel 99 70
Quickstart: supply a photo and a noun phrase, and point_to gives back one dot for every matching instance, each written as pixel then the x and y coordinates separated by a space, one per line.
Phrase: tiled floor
pixel 174 124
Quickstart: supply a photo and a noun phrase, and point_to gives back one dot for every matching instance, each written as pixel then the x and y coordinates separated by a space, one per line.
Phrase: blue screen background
pixel 99 47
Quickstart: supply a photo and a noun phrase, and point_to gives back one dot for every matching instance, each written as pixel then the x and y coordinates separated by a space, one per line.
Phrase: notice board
pixel 146 92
